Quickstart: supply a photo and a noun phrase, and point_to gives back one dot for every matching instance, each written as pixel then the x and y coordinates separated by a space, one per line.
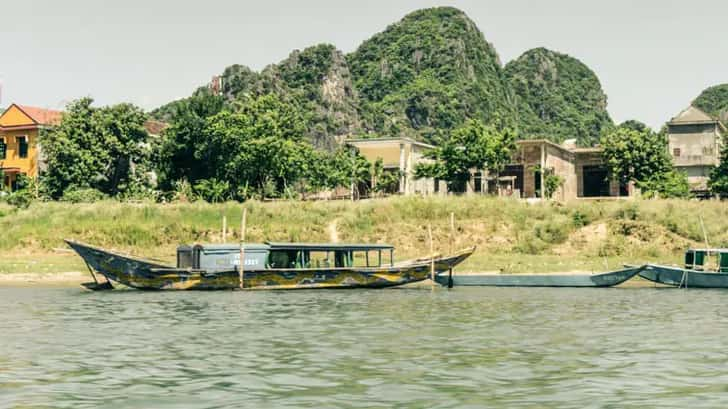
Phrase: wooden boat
pixel 704 268
pixel 266 266
pixel 540 280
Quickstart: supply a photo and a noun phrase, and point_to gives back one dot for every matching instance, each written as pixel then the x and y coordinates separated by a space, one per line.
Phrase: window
pixel 478 182
pixel 3 148
pixel 22 146
pixel 283 259
pixel 676 152
pixel 319 259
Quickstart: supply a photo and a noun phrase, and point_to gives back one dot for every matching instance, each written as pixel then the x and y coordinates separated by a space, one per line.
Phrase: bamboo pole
pixel 432 256
pixel 452 245
pixel 242 248
pixel 705 233
pixel 452 232
pixel 224 229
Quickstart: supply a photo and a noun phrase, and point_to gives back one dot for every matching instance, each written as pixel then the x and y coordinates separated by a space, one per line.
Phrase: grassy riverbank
pixel 512 236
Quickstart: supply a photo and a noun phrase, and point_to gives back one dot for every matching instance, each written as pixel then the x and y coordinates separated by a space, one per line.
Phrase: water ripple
pixel 479 347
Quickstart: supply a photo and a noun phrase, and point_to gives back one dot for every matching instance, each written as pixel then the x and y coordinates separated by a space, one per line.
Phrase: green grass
pixel 512 236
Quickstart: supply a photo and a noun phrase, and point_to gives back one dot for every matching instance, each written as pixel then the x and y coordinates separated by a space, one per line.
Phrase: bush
pixel 20 198
pixel 672 184
pixel 580 219
pixel 82 195
pixel 212 190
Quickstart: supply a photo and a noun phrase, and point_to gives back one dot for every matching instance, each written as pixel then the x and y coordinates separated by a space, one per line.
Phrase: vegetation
pixel 718 182
pixel 714 101
pixel 100 148
pixel 428 74
pixel 473 146
pixel 558 97
pixel 316 81
pixel 253 147
pixel 511 235
pixel 641 157
pixel 552 182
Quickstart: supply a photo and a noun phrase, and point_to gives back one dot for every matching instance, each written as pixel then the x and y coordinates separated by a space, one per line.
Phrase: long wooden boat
pixel 704 268
pixel 266 266
pixel 540 280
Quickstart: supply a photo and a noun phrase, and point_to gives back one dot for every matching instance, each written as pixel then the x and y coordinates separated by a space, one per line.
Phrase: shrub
pixel 579 219
pixel 212 190
pixel 19 198
pixel 82 195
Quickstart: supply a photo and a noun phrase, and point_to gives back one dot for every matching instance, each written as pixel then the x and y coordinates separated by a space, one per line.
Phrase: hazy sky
pixel 652 57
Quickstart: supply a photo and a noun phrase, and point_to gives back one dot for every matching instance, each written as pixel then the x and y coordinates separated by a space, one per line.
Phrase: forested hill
pixel 422 77
pixel 714 101
pixel 558 97
pixel 429 73
pixel 316 79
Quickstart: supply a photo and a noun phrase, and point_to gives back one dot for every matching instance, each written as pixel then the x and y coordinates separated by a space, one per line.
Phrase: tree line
pixel 254 148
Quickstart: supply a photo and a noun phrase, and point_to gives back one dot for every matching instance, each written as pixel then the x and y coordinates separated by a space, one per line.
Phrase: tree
pixel 260 144
pixel 176 150
pixel 718 182
pixel 101 148
pixel 552 181
pixel 473 146
pixel 634 125
pixel 641 157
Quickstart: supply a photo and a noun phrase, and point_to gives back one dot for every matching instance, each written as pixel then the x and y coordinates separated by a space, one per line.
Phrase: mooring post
pixel 432 256
pixel 452 245
pixel 242 249
pixel 224 228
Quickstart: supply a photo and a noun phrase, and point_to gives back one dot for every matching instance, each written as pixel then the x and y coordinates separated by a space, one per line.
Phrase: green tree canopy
pixel 641 157
pixel 718 182
pixel 176 150
pixel 427 73
pixel 260 144
pixel 101 148
pixel 558 97
pixel 472 146
pixel 714 101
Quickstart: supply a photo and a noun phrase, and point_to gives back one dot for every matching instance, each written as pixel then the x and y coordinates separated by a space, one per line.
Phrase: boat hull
pixel 145 275
pixel 541 280
pixel 680 277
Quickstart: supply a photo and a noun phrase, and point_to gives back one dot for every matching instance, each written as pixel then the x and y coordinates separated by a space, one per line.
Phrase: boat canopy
pixel 700 259
pixel 272 255
pixel 328 246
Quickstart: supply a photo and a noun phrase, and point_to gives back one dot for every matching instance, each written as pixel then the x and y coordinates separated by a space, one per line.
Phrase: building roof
pixel 692 115
pixel 391 140
pixel 41 116
pixel 569 149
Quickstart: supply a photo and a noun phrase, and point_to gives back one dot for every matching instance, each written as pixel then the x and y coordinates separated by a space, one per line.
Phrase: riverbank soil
pixel 511 236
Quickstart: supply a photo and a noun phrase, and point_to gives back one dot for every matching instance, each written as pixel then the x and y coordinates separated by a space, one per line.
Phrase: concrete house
pixel 399 155
pixel 695 143
pixel 582 169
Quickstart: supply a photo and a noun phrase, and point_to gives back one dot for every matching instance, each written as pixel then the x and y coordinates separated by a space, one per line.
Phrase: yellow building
pixel 400 155
pixel 20 128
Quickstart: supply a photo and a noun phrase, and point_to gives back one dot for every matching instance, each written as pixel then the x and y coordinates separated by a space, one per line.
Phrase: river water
pixel 402 348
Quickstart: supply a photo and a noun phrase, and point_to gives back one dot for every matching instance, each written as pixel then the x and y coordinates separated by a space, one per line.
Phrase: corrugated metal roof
pixel 294 246
pixel 328 246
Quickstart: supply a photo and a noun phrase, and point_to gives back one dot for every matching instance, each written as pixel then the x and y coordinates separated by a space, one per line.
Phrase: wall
pixel 28 165
pixel 562 162
pixel 699 151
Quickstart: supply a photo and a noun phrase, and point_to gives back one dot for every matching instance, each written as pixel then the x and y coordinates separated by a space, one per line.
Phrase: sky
pixel 653 57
